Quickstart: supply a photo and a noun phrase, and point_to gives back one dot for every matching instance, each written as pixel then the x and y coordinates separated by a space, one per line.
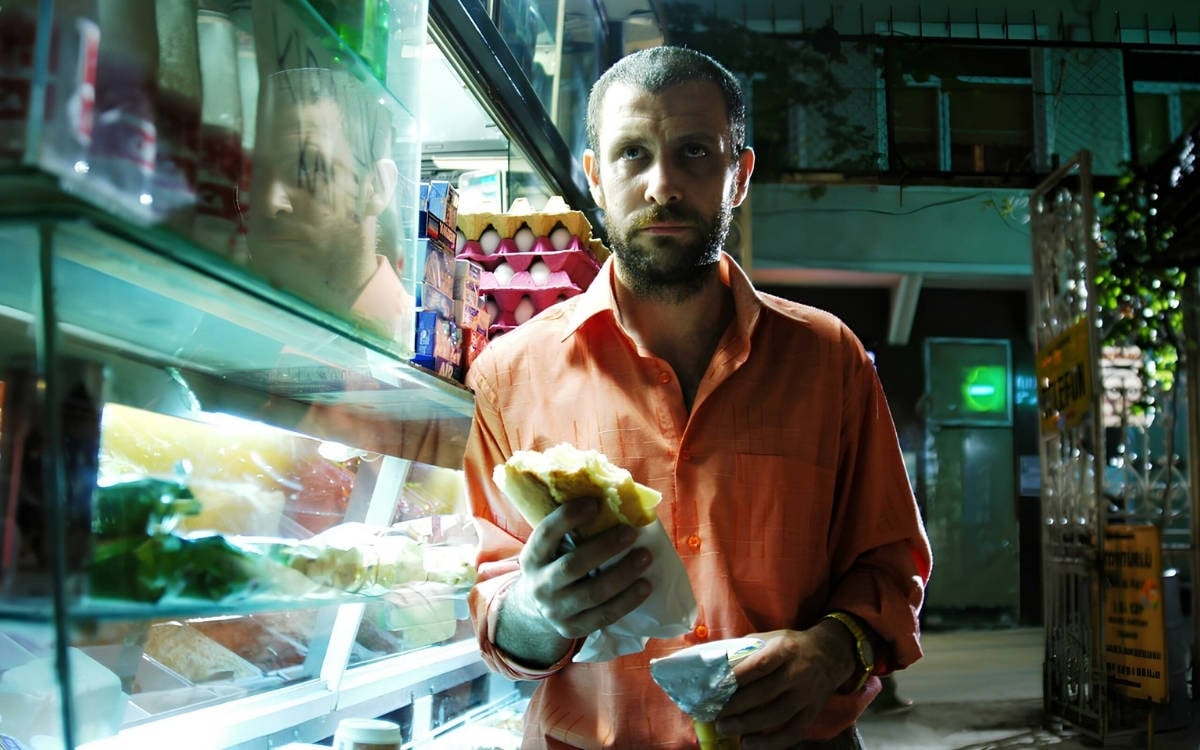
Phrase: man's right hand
pixel 561 594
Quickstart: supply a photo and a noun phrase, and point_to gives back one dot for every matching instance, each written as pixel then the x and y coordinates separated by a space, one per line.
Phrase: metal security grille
pixel 1063 228
pixel 841 127
pixel 1079 102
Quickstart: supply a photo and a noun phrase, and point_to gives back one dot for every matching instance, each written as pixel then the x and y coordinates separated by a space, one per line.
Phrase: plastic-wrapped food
pixel 140 506
pixel 194 656
pixel 207 567
pixel 253 641
pixel 356 558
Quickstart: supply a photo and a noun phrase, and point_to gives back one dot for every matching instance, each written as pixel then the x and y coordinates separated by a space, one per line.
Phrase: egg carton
pixel 511 306
pixel 541 223
pixel 495 251
pixel 578 265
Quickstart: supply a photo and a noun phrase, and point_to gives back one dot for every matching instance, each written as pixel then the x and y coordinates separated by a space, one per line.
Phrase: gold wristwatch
pixel 863 648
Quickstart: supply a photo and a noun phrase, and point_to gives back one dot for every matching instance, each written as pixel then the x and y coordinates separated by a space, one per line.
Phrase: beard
pixel 666 268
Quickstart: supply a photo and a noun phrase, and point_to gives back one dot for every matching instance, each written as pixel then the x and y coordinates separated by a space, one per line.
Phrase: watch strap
pixel 862 648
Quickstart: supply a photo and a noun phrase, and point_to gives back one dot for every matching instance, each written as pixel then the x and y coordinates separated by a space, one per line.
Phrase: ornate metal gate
pixel 1105 464
pixel 1063 226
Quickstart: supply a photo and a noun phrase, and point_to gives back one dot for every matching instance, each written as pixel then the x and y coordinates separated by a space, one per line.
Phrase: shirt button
pixel 664 377
pixel 693 542
pixel 701 632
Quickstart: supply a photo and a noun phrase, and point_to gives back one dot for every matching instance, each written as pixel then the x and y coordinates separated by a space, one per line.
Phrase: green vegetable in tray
pixel 138 558
pixel 147 569
pixel 141 507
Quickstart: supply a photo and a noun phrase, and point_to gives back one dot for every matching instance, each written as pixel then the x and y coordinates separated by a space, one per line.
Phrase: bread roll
pixel 537 482
pixel 194 656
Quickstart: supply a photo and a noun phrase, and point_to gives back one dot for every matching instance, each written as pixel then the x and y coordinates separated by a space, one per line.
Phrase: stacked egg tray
pixel 530 260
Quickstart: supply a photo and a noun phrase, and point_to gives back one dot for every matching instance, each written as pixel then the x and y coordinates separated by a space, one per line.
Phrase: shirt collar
pixel 599 298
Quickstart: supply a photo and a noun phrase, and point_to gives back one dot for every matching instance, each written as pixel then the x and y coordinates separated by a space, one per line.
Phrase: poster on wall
pixel 1135 657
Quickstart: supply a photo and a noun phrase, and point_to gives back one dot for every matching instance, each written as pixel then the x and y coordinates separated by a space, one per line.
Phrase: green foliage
pixel 1141 295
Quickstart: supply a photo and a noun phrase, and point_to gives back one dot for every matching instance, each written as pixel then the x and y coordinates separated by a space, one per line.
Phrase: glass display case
pixel 232 509
pixel 558 44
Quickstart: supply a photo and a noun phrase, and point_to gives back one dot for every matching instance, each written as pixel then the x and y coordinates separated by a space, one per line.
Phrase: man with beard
pixel 323 179
pixel 761 421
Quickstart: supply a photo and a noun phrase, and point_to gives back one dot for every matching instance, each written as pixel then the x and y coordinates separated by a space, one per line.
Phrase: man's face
pixel 306 200
pixel 668 181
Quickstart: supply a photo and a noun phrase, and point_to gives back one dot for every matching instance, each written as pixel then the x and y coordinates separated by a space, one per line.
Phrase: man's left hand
pixel 783 686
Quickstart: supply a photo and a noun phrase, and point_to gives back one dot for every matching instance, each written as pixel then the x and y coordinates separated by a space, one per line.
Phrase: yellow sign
pixel 1135 654
pixel 1064 373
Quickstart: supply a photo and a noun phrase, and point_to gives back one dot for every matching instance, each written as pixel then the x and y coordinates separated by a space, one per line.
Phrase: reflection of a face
pixel 307 222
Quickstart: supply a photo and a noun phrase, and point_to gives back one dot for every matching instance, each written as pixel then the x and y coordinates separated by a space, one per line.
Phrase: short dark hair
pixel 658 68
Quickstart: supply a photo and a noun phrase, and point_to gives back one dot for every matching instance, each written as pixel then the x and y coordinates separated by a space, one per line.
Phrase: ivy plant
pixel 1139 283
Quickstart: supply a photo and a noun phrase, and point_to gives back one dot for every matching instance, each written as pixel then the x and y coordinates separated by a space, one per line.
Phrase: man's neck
pixel 684 333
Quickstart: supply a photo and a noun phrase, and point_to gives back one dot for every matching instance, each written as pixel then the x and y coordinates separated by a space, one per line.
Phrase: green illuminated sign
pixel 985 388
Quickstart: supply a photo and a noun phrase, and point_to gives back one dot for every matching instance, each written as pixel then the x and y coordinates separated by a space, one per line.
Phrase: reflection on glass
pixel 557 44
pixel 323 177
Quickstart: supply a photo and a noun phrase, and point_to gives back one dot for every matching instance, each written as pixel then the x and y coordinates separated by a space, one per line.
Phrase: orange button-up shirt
pixel 783 488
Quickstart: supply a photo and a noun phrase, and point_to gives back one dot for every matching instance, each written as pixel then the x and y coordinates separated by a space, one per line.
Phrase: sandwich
pixel 537 482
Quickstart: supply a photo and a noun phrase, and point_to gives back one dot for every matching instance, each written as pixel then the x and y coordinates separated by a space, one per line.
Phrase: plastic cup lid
pixel 368 730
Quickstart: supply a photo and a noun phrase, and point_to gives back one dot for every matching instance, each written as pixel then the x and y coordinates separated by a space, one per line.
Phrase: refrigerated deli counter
pixel 233 514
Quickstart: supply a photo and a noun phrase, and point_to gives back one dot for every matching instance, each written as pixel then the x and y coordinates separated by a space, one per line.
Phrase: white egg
pixel 493 310
pixel 503 273
pixel 524 239
pixel 460 241
pixel 489 240
pixel 540 272
pixel 524 311
pixel 560 237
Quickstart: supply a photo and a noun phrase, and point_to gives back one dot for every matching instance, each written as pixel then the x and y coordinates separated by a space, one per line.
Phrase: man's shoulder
pixel 539 339
pixel 801 315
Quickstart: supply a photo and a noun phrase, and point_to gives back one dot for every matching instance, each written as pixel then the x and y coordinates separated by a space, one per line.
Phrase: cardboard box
pixel 431 298
pixel 467 276
pixel 465 316
pixel 442 202
pixel 438 266
pixel 436 230
pixel 438 344
pixel 474 341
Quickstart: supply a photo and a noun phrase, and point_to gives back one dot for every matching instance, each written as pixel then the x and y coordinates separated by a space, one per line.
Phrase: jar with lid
pixel 367 734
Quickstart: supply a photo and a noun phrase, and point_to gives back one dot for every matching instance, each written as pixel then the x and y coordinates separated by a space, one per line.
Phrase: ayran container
pixel 367 734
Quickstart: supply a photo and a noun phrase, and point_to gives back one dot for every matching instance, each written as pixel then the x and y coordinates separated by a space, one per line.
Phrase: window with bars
pixel 959 110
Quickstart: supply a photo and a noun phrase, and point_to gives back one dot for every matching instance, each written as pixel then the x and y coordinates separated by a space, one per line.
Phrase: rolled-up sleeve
pixel 882 558
pixel 502 534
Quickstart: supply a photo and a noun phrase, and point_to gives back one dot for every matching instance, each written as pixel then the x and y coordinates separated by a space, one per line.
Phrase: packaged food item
pixel 367 734
pixel 700 680
pixel 30 699
pixel 68 115
pixel 194 656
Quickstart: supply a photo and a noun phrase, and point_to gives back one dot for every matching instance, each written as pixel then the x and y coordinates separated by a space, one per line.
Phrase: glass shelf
pixel 134 296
